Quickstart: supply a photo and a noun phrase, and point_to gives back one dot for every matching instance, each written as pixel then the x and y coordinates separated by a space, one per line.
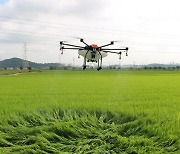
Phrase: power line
pixel 49 44
pixel 45 22
pixel 132 50
pixel 47 36
pixel 37 33
pixel 54 26
pixel 80 28
pixel 21 41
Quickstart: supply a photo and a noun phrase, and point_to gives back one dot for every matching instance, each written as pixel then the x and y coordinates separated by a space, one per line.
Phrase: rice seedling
pixel 90 112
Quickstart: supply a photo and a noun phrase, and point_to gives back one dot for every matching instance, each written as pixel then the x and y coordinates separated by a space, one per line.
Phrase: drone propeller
pixel 61 43
pixel 76 37
pixel 79 38
pixel 117 41
pixel 127 51
pixel 61 46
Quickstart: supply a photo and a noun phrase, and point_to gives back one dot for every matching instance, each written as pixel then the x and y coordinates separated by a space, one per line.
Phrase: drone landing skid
pixel 99 67
pixel 92 60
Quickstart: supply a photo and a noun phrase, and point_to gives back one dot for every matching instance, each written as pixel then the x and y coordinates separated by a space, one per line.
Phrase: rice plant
pixel 90 112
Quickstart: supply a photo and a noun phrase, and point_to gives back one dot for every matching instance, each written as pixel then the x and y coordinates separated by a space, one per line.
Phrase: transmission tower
pixel 25 62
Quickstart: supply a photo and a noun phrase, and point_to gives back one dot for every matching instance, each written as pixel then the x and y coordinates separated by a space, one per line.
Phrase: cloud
pixel 33 8
pixel 3 2
pixel 49 21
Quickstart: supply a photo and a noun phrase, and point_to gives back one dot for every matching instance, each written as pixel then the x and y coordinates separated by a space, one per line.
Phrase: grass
pixel 90 112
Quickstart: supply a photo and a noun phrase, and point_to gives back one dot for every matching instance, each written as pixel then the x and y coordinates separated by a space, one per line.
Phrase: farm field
pixel 90 112
pixel 8 72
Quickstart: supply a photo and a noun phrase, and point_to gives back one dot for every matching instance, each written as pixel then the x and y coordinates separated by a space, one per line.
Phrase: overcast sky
pixel 150 28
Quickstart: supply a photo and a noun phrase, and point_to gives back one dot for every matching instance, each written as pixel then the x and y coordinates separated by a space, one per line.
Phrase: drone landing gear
pixel 99 66
pixel 84 65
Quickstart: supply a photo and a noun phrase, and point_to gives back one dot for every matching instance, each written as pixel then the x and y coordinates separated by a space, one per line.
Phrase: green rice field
pixel 124 111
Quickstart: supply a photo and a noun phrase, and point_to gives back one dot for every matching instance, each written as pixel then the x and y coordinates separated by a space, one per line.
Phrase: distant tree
pixel 155 68
pixel 177 67
pixel 131 68
pixel 51 67
pixel 29 68
pixel 21 68
pixel 5 68
pixel 146 67
pixel 65 67
pixel 150 68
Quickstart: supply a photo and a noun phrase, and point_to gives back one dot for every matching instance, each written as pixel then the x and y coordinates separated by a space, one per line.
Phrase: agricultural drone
pixel 93 53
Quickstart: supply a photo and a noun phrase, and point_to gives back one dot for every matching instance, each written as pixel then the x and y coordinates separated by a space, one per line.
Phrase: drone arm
pixel 119 53
pixel 126 49
pixel 72 48
pixel 82 40
pixel 62 43
pixel 110 52
pixel 75 48
pixel 111 43
pixel 107 51
pixel 123 50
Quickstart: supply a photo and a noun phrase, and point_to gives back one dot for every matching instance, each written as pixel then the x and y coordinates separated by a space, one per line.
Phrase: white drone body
pixel 89 56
